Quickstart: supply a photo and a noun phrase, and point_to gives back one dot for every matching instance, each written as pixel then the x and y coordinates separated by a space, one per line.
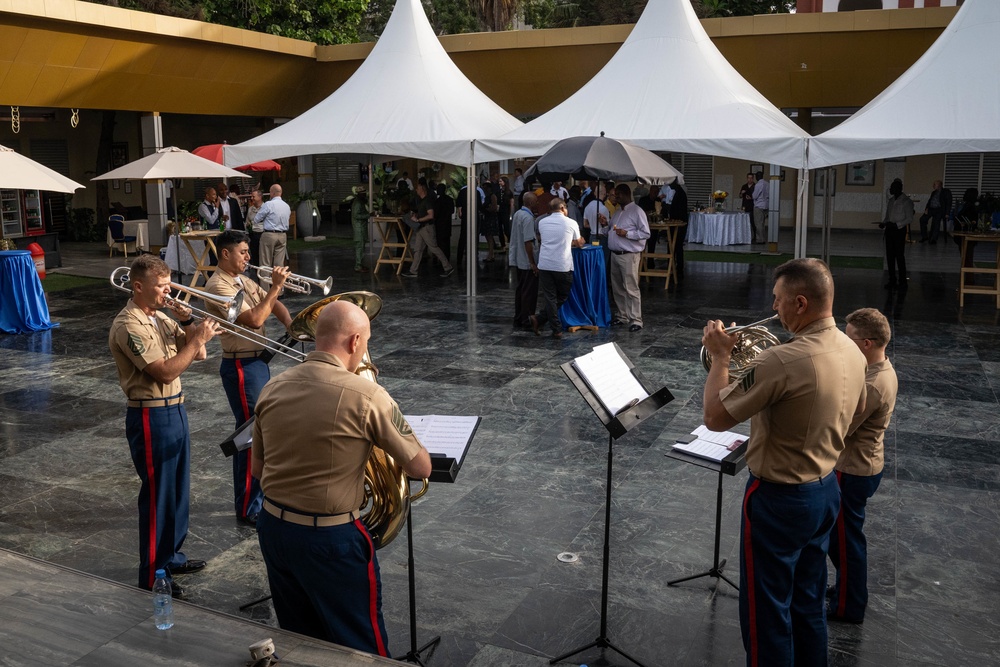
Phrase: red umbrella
pixel 213 152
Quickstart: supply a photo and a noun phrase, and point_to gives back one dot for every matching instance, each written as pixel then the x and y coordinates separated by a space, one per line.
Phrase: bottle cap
pixel 161 574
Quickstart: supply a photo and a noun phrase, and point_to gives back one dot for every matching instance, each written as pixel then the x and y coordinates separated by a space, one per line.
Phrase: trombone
pixel 294 282
pixel 120 279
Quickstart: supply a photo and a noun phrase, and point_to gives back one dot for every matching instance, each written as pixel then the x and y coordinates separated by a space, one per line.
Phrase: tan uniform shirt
pixel 315 427
pixel 223 284
pixel 802 396
pixel 135 342
pixel 863 450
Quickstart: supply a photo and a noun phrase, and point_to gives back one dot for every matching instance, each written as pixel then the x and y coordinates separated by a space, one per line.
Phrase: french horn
pixel 387 487
pixel 754 339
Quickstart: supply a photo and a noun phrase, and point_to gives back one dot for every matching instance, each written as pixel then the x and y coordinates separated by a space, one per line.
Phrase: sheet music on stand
pixel 712 445
pixel 447 439
pixel 610 378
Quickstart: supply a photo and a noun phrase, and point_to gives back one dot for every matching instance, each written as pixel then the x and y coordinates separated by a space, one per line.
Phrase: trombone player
pixel 151 351
pixel 243 370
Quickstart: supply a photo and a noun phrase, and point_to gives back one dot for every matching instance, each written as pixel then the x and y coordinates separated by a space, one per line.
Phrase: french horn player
pixel 316 426
pixel 244 369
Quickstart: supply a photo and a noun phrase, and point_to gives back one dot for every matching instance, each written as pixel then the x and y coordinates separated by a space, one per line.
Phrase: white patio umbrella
pixel 20 173
pixel 170 162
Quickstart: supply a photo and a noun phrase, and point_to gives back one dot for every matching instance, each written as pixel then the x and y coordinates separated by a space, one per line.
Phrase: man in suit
pixel 937 210
pixel 230 209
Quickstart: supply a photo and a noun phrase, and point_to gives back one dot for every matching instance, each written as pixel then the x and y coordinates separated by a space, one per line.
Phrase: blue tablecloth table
pixel 588 299
pixel 22 302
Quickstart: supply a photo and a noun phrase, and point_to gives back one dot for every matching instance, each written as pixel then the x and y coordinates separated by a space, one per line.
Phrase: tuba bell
pixel 754 339
pixel 387 487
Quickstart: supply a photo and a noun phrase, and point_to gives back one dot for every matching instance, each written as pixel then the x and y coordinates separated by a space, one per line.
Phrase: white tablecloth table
pixel 719 228
pixel 187 263
pixel 137 228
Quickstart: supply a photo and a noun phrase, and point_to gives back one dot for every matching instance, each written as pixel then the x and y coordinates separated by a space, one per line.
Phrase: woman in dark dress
pixel 489 227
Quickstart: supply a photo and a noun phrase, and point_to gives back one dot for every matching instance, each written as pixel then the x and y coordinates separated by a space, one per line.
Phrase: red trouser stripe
pixel 748 560
pixel 248 481
pixel 372 591
pixel 841 529
pixel 147 440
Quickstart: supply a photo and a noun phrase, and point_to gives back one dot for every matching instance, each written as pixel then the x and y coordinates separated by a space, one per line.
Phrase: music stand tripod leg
pixel 602 640
pixel 413 655
pixel 717 565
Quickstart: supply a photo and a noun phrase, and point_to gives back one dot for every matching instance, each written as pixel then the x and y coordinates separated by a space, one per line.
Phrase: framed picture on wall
pixel 754 168
pixel 115 184
pixel 128 187
pixel 820 183
pixel 119 154
pixel 860 173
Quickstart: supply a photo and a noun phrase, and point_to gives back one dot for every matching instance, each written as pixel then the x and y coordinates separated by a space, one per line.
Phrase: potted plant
pixel 306 211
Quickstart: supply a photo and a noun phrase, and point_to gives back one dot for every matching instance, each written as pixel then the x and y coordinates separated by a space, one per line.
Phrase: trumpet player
pixel 801 397
pixel 151 351
pixel 244 373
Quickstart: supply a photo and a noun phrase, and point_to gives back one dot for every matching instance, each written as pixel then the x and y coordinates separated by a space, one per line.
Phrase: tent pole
pixel 371 217
pixel 802 210
pixel 827 215
pixel 471 233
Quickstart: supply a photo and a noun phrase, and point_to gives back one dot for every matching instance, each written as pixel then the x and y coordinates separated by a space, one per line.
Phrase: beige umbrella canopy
pixel 170 162
pixel 20 173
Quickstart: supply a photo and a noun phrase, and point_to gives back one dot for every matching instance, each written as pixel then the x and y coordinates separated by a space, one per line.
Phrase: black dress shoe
pixel 618 323
pixel 248 520
pixel 190 567
pixel 176 591
pixel 830 592
pixel 833 617
pixel 635 327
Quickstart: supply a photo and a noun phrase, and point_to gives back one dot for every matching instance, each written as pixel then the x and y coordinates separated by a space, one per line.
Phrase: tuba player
pixel 315 427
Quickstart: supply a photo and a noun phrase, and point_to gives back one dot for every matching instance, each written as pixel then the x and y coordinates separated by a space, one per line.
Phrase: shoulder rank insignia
pixel 748 379
pixel 136 345
pixel 399 421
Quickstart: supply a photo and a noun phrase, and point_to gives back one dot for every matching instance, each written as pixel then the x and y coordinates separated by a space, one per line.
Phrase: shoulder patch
pixel 399 421
pixel 748 379
pixel 136 345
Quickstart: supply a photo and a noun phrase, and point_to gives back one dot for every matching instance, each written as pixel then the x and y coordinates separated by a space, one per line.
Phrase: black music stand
pixel 618 425
pixel 443 469
pixel 730 465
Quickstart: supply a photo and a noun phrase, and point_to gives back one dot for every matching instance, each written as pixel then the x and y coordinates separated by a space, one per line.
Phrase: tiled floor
pixel 533 486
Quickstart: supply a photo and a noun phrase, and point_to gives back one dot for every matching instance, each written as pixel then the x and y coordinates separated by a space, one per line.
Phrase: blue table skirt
pixel 588 300
pixel 22 302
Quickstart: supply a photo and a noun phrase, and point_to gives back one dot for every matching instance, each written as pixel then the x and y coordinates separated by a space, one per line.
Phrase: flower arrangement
pixel 720 195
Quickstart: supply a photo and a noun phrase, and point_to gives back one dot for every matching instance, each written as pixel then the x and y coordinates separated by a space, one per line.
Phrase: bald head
pixel 275 190
pixel 343 329
pixel 529 199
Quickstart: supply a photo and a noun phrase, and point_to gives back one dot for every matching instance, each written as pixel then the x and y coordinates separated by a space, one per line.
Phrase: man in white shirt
pixel 523 256
pixel 629 231
pixel 761 195
pixel 273 216
pixel 558 236
pixel 559 191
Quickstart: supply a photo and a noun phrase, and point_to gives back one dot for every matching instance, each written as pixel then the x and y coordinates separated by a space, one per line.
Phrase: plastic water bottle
pixel 163 602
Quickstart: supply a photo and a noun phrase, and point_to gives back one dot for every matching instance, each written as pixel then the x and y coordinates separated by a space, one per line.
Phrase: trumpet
pixel 120 279
pixel 754 339
pixel 294 282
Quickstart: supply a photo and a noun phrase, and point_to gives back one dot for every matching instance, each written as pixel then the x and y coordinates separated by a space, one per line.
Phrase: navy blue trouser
pixel 161 452
pixel 243 379
pixel 848 546
pixel 325 582
pixel 784 537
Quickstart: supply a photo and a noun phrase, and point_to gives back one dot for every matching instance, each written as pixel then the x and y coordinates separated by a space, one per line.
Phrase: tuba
pixel 754 339
pixel 387 487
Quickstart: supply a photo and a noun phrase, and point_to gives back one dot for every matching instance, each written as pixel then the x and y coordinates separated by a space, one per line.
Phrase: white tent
pixel 407 99
pixel 669 89
pixel 947 102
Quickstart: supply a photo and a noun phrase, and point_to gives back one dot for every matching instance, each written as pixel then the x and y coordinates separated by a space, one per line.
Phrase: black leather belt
pixel 623 252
